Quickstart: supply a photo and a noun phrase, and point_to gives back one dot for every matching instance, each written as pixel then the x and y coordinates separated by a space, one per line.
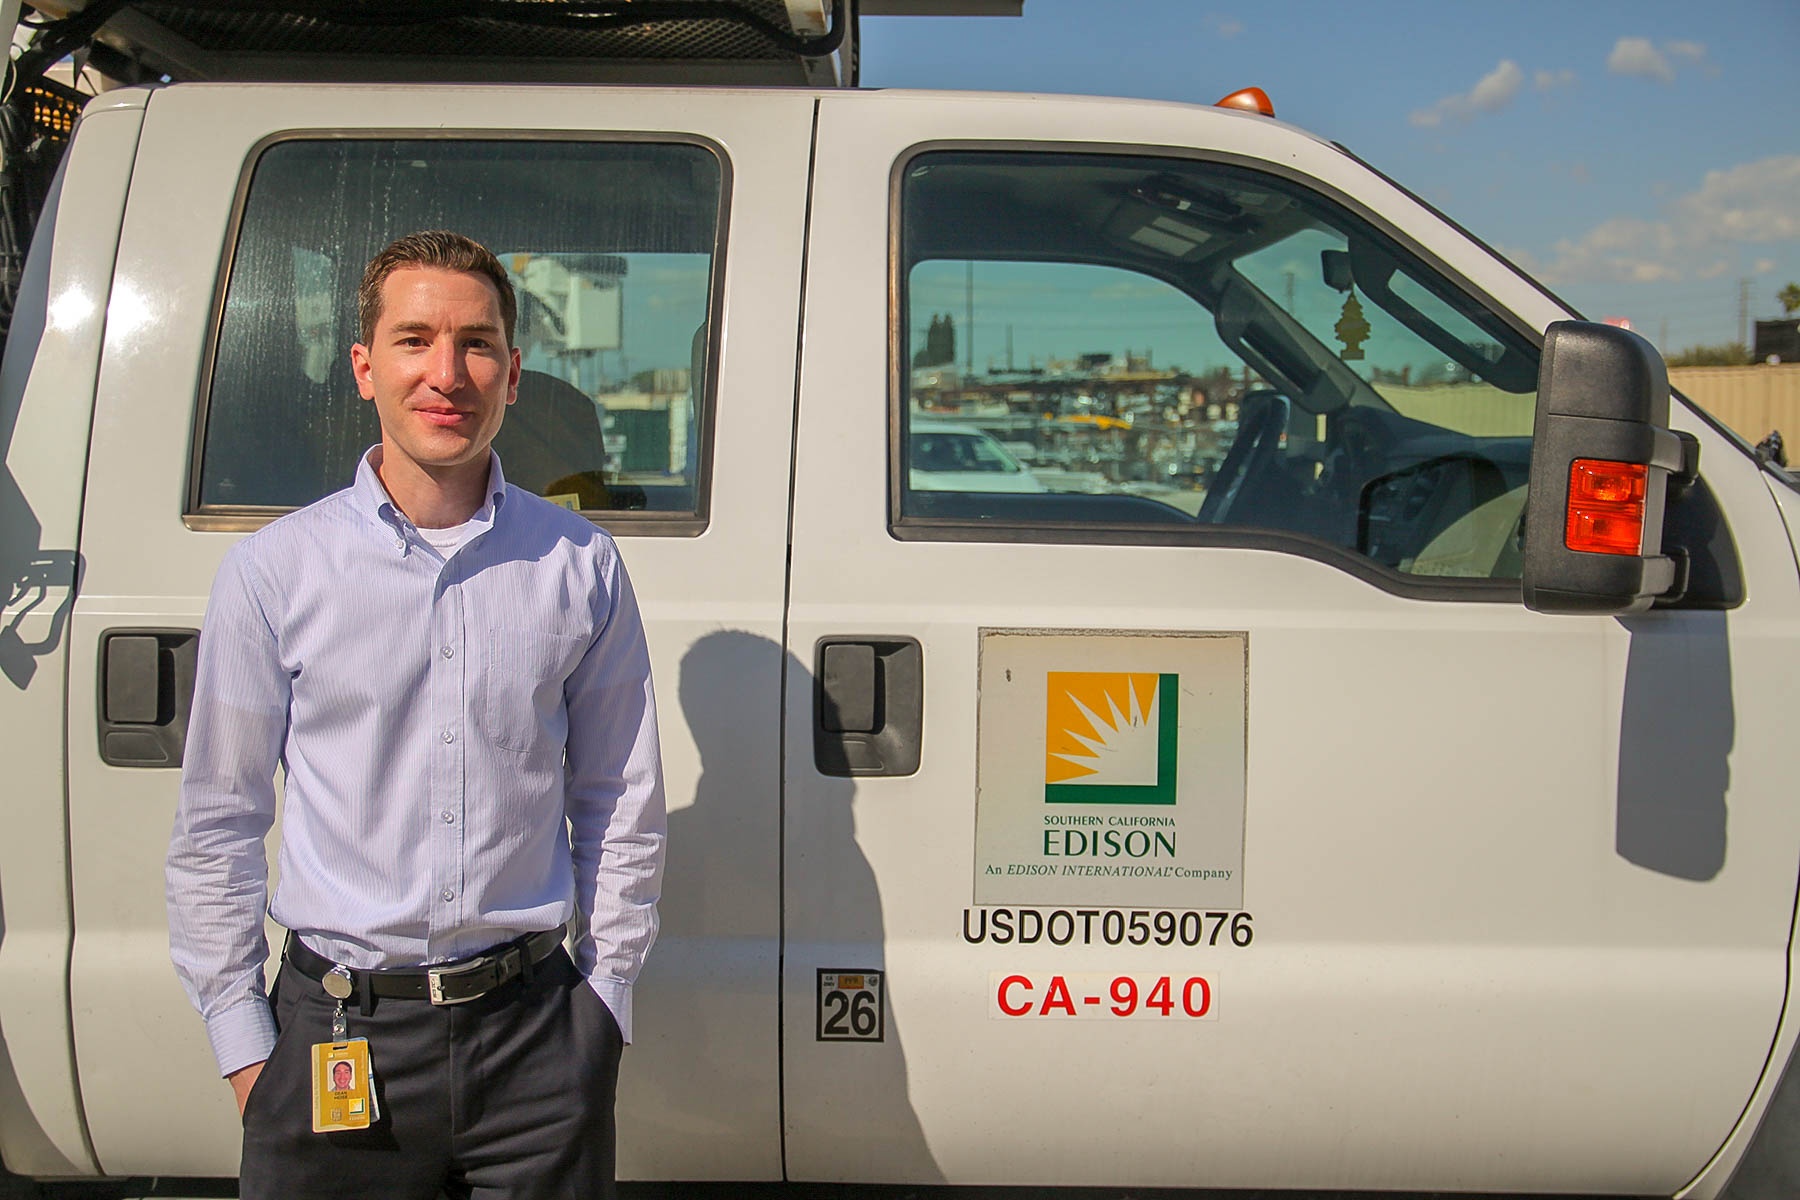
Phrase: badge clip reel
pixel 343 1075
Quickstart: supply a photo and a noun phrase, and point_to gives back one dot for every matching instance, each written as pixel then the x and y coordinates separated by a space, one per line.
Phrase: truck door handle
pixel 868 706
pixel 146 692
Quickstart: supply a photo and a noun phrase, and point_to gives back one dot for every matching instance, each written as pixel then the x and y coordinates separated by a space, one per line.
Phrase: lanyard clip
pixel 338 984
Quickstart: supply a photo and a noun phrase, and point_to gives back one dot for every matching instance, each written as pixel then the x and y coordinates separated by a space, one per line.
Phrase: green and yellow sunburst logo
pixel 1110 737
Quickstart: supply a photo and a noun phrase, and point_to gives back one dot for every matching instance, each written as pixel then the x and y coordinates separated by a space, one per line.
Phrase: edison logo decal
pixel 1110 737
pixel 1139 737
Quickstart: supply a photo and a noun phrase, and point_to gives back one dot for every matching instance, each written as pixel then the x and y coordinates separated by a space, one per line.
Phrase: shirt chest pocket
pixel 520 695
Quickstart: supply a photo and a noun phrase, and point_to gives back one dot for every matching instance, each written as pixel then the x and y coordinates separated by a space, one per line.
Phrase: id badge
pixel 343 1086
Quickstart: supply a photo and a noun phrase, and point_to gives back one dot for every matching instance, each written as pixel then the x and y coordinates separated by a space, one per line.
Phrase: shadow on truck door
pixel 1676 730
pixel 28 572
pixel 30 579
pixel 29 584
pixel 706 883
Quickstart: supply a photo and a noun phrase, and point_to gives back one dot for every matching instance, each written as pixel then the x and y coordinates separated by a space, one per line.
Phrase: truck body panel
pixel 1487 899
pixel 711 984
pixel 1426 812
pixel 52 356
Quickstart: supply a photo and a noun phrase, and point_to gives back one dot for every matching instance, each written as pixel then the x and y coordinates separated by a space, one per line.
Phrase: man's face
pixel 340 1076
pixel 438 367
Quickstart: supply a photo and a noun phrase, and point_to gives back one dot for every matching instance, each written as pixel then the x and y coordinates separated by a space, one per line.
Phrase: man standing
pixel 454 676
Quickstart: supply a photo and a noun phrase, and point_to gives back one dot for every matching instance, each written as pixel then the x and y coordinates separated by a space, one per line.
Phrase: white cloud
pixel 1224 26
pixel 1642 59
pixel 1491 93
pixel 1763 266
pixel 1550 81
pixel 1620 250
pixel 1498 87
pixel 1753 203
pixel 1637 56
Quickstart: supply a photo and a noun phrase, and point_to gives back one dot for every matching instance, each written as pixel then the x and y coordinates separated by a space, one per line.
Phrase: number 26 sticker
pixel 851 1006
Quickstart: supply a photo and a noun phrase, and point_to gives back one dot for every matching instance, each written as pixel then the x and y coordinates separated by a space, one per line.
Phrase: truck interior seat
pixel 551 433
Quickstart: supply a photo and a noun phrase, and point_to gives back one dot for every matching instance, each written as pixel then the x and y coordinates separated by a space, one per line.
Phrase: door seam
pixel 787 655
pixel 68 808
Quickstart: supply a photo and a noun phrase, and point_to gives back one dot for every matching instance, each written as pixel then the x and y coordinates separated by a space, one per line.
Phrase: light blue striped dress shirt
pixel 438 722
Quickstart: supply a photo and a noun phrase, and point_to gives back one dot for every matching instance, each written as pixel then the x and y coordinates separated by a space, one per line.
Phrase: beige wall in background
pixel 1751 400
pixel 1477 409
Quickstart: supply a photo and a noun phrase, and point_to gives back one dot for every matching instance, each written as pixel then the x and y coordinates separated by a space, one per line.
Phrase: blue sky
pixel 1641 158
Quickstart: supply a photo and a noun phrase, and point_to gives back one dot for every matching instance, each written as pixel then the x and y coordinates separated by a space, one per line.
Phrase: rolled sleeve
pixel 242 1035
pixel 617 998
pixel 617 815
pixel 217 872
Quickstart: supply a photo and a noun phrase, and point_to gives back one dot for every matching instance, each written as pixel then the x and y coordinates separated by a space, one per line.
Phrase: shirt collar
pixel 374 500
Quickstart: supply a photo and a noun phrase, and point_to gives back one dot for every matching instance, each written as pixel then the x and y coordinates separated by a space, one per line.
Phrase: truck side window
pixel 1158 347
pixel 613 250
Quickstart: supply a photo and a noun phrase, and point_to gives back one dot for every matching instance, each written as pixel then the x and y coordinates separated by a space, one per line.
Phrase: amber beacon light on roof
pixel 1250 99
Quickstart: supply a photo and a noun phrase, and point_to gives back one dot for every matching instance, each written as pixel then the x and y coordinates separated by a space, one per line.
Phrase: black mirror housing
pixel 1603 393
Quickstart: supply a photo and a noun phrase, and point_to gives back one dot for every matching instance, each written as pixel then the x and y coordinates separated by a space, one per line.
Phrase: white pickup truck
pixel 1276 792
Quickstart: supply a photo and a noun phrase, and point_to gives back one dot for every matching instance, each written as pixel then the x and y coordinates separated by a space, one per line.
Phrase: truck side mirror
pixel 1602 458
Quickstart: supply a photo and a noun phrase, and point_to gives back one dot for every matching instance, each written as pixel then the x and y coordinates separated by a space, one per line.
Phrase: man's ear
pixel 363 369
pixel 512 378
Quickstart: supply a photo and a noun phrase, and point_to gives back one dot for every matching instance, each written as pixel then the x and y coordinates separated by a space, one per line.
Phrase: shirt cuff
pixel 618 1001
pixel 242 1035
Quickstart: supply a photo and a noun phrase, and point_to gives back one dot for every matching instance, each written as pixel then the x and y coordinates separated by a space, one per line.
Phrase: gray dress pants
pixel 510 1095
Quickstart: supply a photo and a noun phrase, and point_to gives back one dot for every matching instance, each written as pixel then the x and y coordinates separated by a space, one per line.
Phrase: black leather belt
pixel 455 982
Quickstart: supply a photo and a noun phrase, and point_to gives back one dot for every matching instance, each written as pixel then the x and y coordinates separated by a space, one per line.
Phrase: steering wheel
pixel 1356 452
pixel 1262 418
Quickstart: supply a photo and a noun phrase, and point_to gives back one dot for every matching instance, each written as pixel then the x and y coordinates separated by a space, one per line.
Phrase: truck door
pixel 654 238
pixel 1178 791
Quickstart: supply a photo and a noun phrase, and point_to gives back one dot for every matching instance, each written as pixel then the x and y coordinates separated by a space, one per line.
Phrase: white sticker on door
pixel 852 1006
pixel 1110 769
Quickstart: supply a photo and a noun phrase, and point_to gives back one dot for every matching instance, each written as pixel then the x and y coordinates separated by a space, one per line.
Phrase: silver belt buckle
pixel 435 976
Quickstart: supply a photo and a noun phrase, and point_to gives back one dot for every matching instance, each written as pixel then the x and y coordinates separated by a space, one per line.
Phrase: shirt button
pixel 447 652
pixel 447 895
pixel 448 737
pixel 448 817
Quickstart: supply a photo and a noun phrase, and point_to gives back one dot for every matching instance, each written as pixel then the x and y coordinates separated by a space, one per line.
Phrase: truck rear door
pixel 1178 792
pixel 633 222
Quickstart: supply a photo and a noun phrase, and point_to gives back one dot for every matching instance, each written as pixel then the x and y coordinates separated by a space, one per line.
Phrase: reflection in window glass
pixel 1073 414
pixel 610 248
pixel 1145 342
pixel 315 315
pixel 1412 375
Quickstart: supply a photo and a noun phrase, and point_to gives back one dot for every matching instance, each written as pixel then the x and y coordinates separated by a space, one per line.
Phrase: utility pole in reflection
pixel 969 323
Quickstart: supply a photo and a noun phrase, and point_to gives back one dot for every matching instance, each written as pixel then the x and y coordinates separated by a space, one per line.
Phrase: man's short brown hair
pixel 438 250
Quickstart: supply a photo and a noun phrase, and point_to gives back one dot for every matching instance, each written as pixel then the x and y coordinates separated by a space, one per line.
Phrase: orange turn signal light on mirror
pixel 1606 506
